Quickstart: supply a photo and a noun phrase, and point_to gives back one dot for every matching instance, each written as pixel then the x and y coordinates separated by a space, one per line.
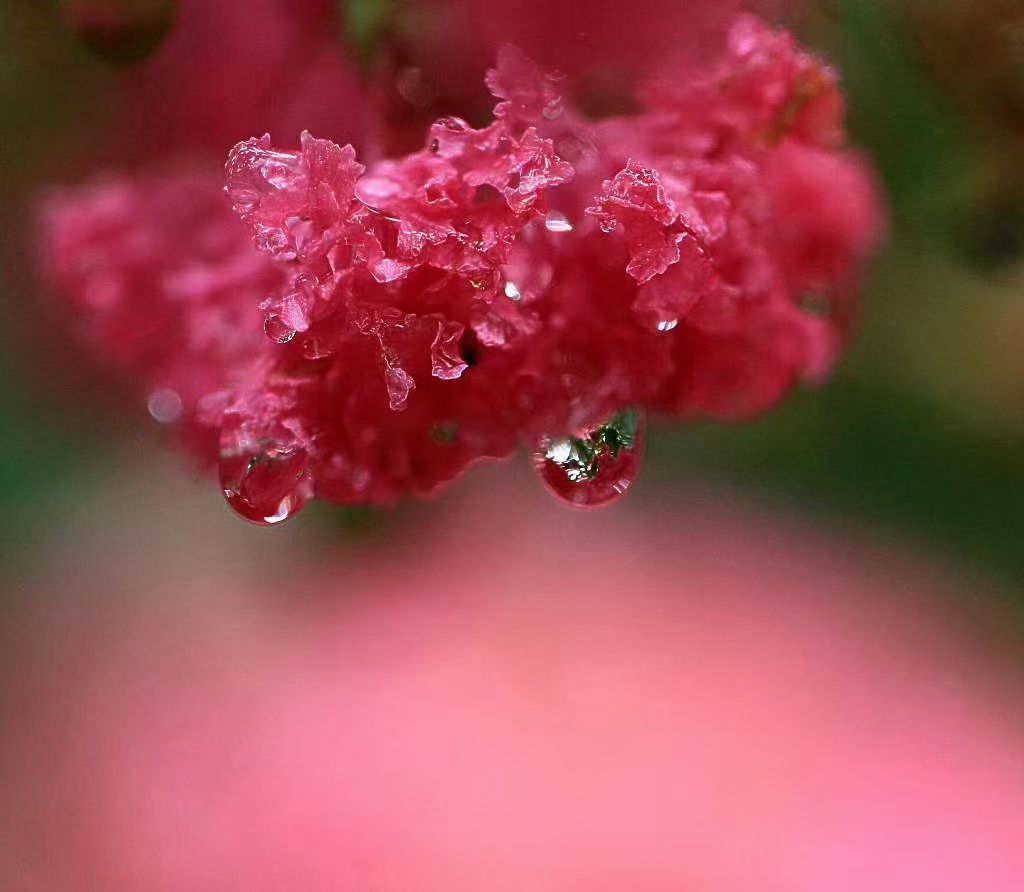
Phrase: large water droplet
pixel 594 466
pixel 264 481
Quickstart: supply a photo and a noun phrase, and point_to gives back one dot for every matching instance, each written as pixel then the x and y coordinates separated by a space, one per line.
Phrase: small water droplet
pixel 264 481
pixel 512 292
pixel 553 110
pixel 456 125
pixel 595 466
pixel 165 405
pixel 556 221
pixel 668 324
pixel 277 331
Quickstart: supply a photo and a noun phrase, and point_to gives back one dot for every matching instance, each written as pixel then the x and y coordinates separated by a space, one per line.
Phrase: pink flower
pixel 162 282
pixel 500 704
pixel 227 68
pixel 603 46
pixel 520 283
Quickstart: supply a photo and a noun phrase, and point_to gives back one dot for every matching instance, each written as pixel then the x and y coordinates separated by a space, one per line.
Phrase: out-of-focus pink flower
pixel 748 705
pixel 228 69
pixel 602 46
pixel 119 241
pixel 517 283
pixel 162 282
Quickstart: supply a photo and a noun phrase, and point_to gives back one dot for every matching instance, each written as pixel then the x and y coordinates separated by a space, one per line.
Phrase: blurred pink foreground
pixel 522 700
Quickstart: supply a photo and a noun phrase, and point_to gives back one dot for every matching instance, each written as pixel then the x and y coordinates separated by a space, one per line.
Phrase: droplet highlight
pixel 556 221
pixel 595 466
pixel 165 405
pixel 264 481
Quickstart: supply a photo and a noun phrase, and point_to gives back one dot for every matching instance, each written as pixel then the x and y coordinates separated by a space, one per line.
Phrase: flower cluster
pixel 520 283
pixel 161 282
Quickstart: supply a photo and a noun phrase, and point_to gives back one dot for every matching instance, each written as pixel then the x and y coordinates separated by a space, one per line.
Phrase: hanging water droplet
pixel 165 405
pixel 264 481
pixel 594 466
pixel 556 221
pixel 276 329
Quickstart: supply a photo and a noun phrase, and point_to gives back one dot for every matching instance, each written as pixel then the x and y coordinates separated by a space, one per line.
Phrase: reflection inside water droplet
pixel 264 481
pixel 278 331
pixel 594 466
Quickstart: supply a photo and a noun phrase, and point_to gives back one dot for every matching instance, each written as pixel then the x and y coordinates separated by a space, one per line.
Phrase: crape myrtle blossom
pixel 541 281
pixel 543 273
pixel 226 69
pixel 602 47
pixel 160 281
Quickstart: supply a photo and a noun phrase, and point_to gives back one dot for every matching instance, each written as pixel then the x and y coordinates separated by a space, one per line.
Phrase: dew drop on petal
pixel 279 332
pixel 165 405
pixel 557 222
pixel 512 291
pixel 264 482
pixel 595 466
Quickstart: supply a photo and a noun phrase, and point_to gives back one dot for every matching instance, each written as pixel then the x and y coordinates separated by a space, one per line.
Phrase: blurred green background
pixel 921 433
